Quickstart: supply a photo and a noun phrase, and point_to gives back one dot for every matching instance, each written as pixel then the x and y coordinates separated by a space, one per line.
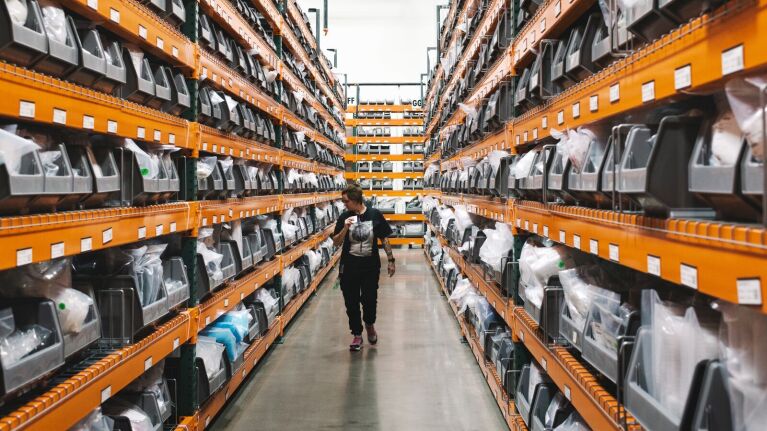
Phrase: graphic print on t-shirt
pixel 361 239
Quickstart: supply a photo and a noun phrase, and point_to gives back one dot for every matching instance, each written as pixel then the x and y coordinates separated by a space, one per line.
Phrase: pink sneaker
pixel 356 344
pixel 372 334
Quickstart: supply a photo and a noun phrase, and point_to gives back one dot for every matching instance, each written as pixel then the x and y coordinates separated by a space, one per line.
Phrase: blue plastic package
pixel 225 337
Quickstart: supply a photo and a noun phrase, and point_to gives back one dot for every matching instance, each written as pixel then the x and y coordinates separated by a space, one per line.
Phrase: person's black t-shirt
pixel 361 242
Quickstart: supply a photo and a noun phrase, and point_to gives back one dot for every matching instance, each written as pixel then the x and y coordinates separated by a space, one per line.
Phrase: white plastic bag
pixel 215 98
pixel 497 245
pixel 581 287
pixel 470 111
pixel 578 146
pixel 18 11
pixel 315 259
pixel 270 75
pixel 205 166
pixel 210 351
pixel 574 422
pixel 537 265
pixel 55 21
pixel 22 342
pixel 146 268
pixel 95 421
pixel 290 278
pixel 13 148
pixel 726 140
pixel 744 96
pixel 138 418
pixel 149 165
pixel 271 304
pixel 523 165
pixel 210 256
pixel 494 158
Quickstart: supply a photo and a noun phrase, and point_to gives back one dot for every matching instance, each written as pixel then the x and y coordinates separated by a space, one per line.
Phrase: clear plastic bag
pixel 270 75
pixel 22 342
pixel 138 418
pixel 13 148
pixel 726 140
pixel 743 348
pixel 551 411
pixel 315 259
pixel 145 265
pixel 290 278
pixel 536 377
pixel 18 11
pixel 95 421
pixel 470 111
pixel 574 422
pixel 497 245
pixel 271 304
pixel 210 256
pixel 522 167
pixel 55 21
pixel 52 280
pixel 462 218
pixel 494 158
pixel 210 351
pixel 537 265
pixel 581 289
pixel 205 167
pixel 744 95
pixel 149 164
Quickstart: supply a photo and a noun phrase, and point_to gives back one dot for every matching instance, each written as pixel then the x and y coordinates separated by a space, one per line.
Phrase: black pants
pixel 360 287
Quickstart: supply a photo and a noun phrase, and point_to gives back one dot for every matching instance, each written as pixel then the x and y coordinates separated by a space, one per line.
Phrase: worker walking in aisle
pixel 359 228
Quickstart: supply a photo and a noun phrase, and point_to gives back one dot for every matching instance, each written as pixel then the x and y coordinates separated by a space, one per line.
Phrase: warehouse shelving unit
pixel 36 98
pixel 722 259
pixel 359 115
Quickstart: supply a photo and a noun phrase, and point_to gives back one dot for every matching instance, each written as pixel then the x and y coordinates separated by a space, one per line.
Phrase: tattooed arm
pixel 389 256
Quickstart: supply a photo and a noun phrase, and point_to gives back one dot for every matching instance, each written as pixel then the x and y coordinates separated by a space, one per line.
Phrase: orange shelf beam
pixel 383 108
pixel 406 241
pixel 484 206
pixel 42 237
pixel 349 157
pixel 393 193
pixel 32 96
pixel 67 403
pixel 645 78
pixel 214 212
pixel 393 122
pixel 404 217
pixel 686 252
pixel 352 140
pixel 304 199
pixel 382 175
pixel 216 142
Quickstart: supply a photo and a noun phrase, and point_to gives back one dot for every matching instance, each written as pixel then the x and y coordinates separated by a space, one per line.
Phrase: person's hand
pixel 391 269
pixel 349 221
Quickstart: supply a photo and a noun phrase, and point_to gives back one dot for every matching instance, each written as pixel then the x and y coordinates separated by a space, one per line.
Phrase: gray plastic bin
pixel 752 176
pixel 82 175
pixel 91 330
pixel 547 316
pixel 123 316
pixel 206 32
pixel 180 99
pixel 227 175
pixel 646 20
pixel 540 85
pixel 227 264
pixel 532 185
pixel 578 62
pixel 614 152
pixel 569 330
pixel 62 57
pixel 604 359
pixel 92 60
pixel 654 168
pixel 258 246
pixel 585 186
pixel 139 85
pixel 17 314
pixel 135 189
pixel 175 12
pixel 116 74
pixel 558 75
pixel 524 399
pixel 542 416
pixel 558 178
pixel 685 10
pixel 176 281
pixel 106 175
pixel 56 185
pixel 22 43
pixel 162 87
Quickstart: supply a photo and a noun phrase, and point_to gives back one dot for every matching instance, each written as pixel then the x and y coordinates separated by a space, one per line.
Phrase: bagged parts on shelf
pixel 291 277
pixel 149 164
pixel 462 218
pixel 13 148
pixel 522 168
pixel 95 421
pixel 237 321
pixel 497 245
pixel 495 157
pixel 52 280
pixel 470 111
pixel 270 75
pixel 210 256
pixel 726 140
pixel 743 348
pixel 574 422
pixel 315 259
pixel 145 266
pixel 445 215
pixel 205 167
pixel 271 304
pixel 311 178
pixel 17 10
pixel 20 342
pixel 139 420
pixel 55 21
pixel 578 145
pixel 744 95
pixel 581 289
pixel 288 230
pixel 210 351
pixel 429 203
pixel 678 343
pixel 215 98
pixel 537 265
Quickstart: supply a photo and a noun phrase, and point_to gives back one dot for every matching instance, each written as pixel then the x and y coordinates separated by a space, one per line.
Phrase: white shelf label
pixel 160 43
pixel 158 230
pixel 562 237
pixel 142 33
pixel 683 77
pixel 543 25
pixel 648 91
pixel 732 60
pixel 557 8
pixel 544 122
pixel 517 140
pixel 111 126
pixel 546 231
pixel 86 244
pixel 226 302
pixel 114 15
pixel 519 222
pixel 575 337
pixel 614 253
pixel 535 133
pixel 106 393
pixel 142 232
pixel 594 246
pixel 147 363
pixel 521 336
pixel 59 116
pixel 689 275
pixel 88 122
pixel 57 250
pixel 653 265
pixel 173 226
pixel 106 236
pixel 544 364
pixel 749 291
pixel 176 343
pixel 141 132
pixel 535 228
pixel 23 256
pixel 577 241
pixel 568 393
pixel 207 320
pixel 560 117
pixel 157 135
pixel 524 138
pixel 27 109
pixel 576 109
pixel 615 93
pixel 215 219
pixel 174 52
pixel 594 103
pixel 527 225
pixel 242 295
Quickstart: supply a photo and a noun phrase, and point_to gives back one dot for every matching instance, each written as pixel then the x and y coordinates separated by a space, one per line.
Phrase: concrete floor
pixel 419 376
